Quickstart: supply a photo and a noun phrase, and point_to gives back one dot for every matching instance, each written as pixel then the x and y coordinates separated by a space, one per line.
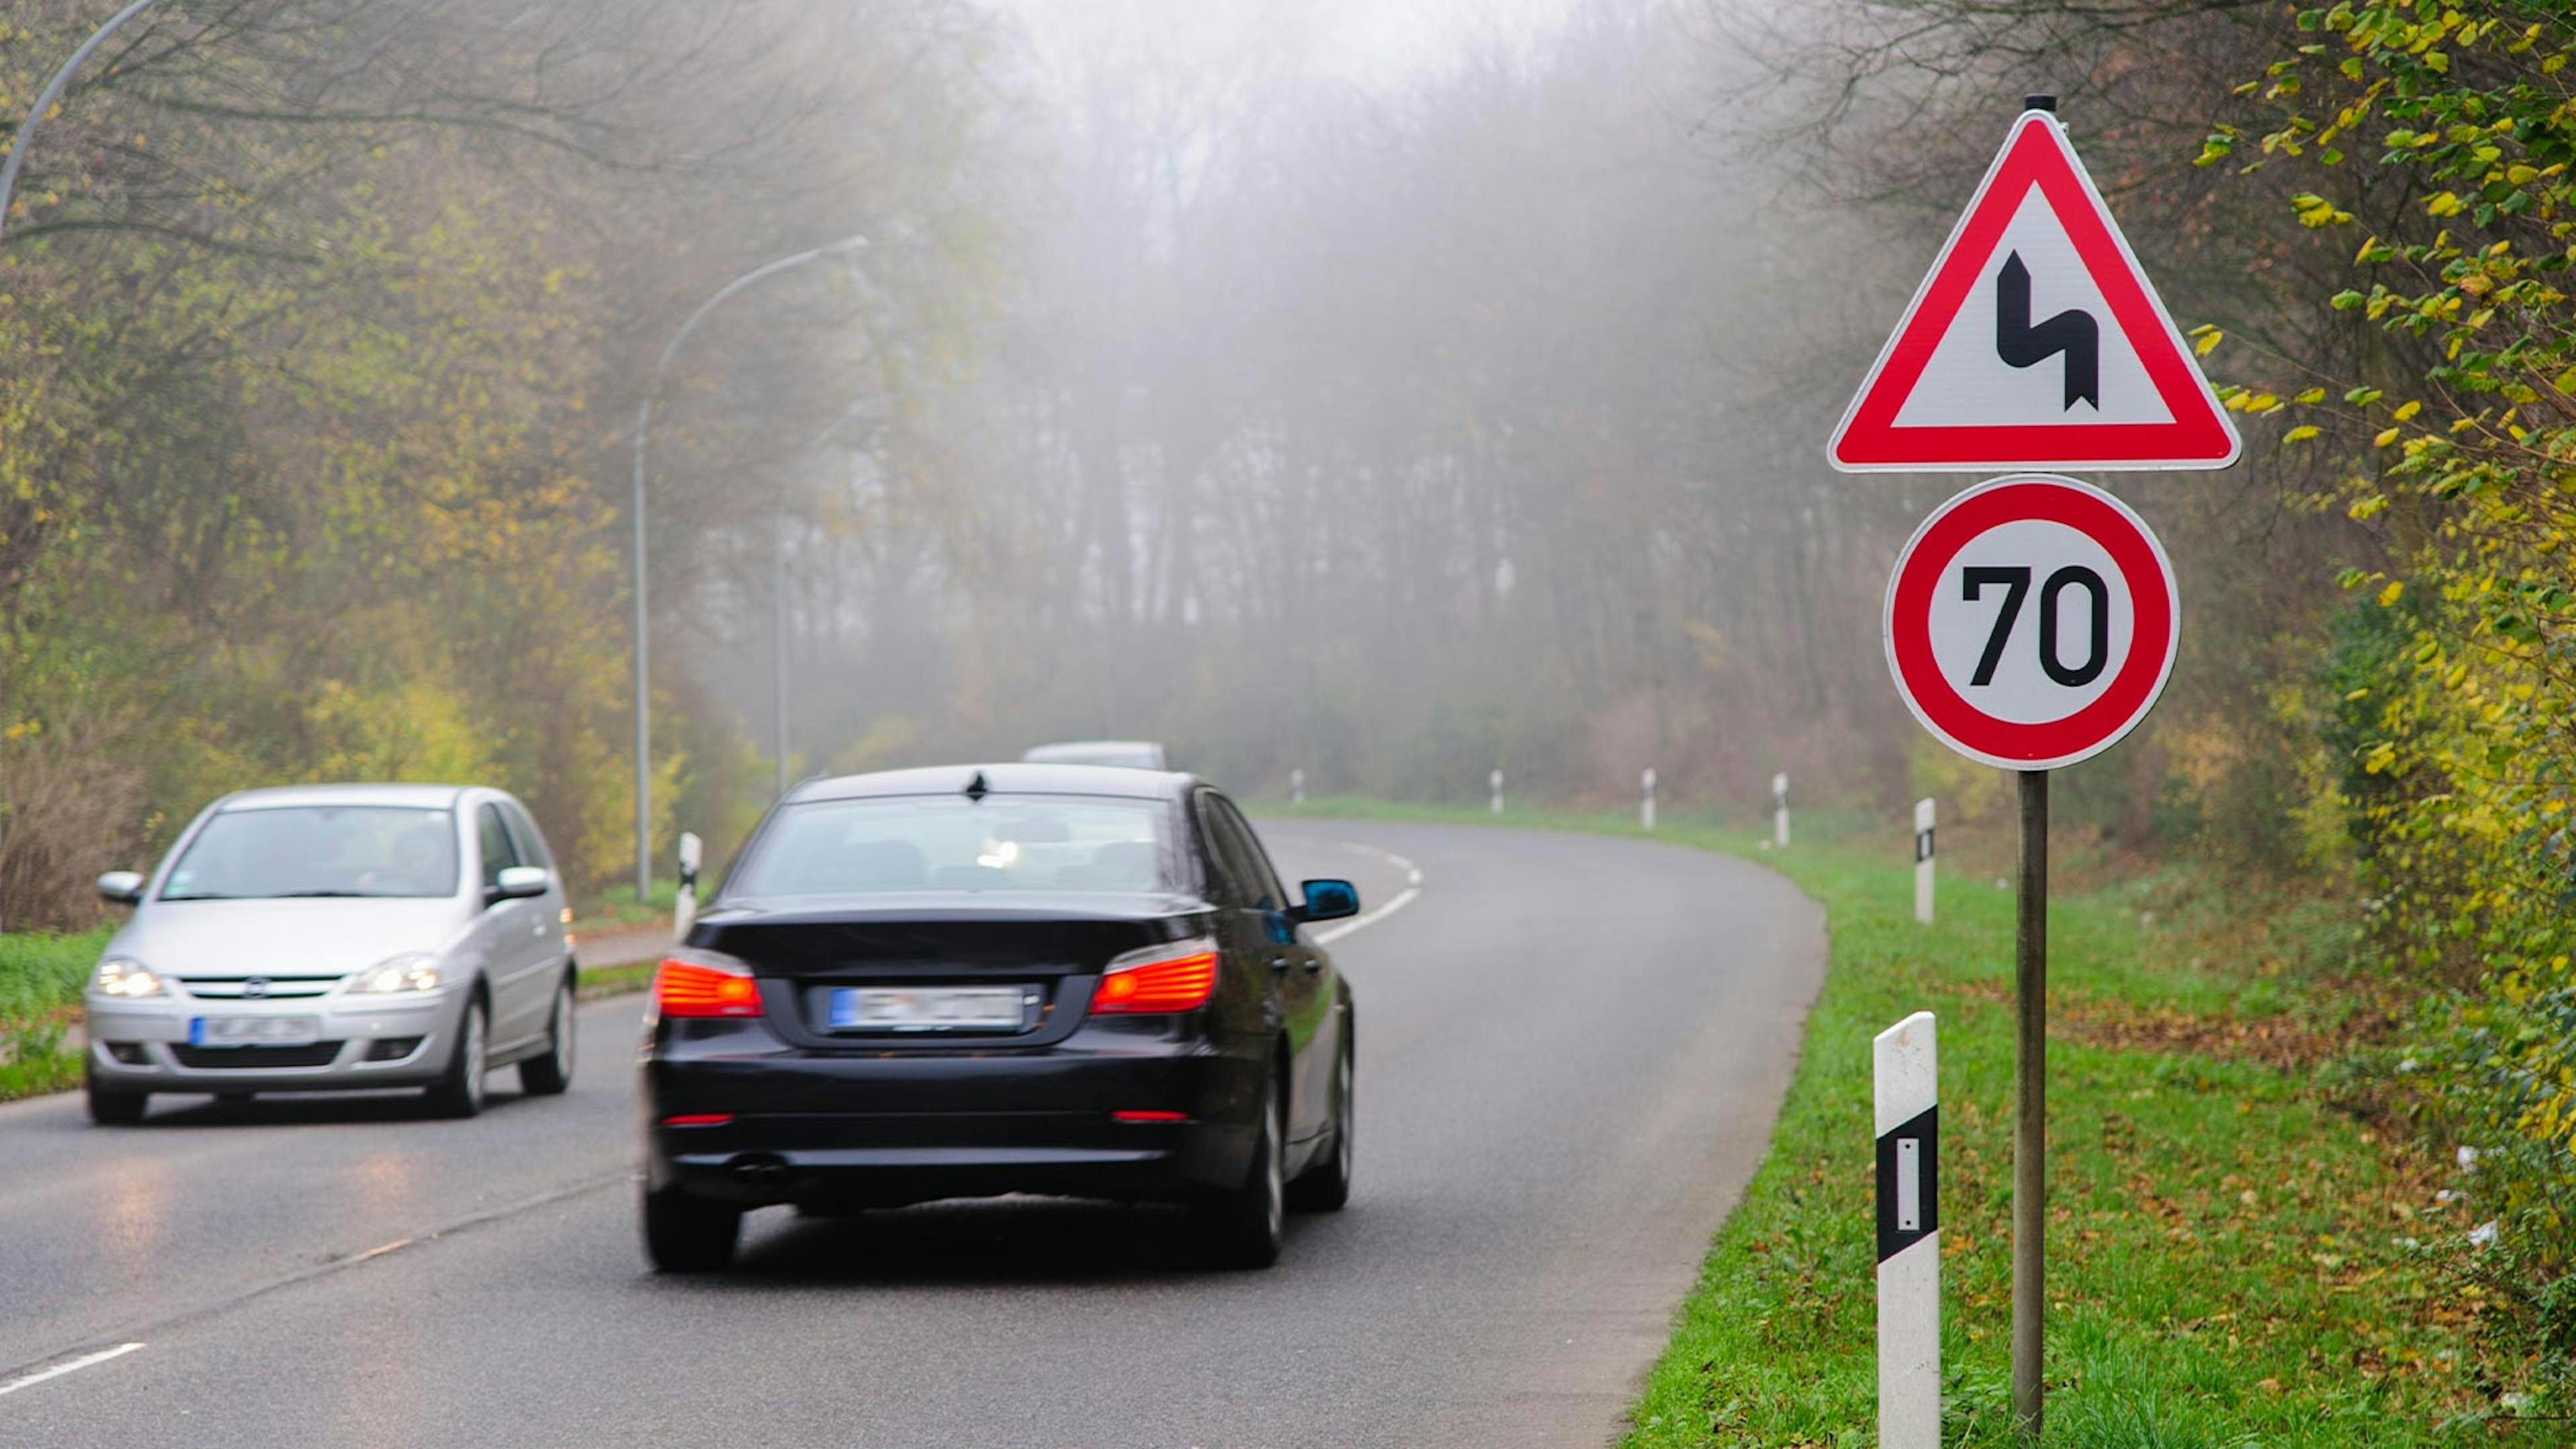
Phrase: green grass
pixel 615 908
pixel 2228 1259
pixel 41 976
pixel 599 981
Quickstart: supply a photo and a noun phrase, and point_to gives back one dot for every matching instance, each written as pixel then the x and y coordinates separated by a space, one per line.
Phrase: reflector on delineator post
pixel 1909 1235
pixel 1923 861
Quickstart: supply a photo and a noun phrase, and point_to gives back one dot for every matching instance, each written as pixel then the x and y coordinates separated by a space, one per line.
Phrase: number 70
pixel 2015 581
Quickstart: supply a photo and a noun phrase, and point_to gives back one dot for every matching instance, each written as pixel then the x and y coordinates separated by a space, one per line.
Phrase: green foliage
pixel 2450 711
pixel 41 977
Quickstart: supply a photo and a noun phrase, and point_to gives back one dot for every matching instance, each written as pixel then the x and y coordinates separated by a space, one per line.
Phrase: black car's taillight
pixel 1173 977
pixel 697 986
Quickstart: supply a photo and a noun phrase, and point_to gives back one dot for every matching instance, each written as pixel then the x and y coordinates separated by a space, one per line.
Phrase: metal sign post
pixel 2030 1105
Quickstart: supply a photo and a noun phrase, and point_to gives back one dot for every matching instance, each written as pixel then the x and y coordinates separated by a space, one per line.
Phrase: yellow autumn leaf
pixel 2388 596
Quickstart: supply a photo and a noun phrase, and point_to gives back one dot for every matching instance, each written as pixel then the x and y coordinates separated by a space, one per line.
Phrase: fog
pixel 1391 402
pixel 1392 393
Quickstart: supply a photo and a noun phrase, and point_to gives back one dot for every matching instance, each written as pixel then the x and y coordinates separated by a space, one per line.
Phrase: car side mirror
pixel 518 882
pixel 121 887
pixel 1328 900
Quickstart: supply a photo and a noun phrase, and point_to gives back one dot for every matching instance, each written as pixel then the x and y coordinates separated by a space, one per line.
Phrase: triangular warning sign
pixel 2036 342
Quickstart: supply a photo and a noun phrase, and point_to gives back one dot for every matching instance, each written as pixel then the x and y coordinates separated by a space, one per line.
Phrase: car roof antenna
pixel 976 789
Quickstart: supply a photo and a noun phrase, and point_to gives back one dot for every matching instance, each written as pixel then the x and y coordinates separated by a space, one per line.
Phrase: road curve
pixel 1571 1051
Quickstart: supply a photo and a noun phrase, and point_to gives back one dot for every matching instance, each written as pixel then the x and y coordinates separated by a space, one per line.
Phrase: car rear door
pixel 551 910
pixel 513 939
pixel 1294 967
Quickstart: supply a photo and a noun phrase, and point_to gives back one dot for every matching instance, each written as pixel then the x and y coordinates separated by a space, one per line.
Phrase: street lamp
pixel 53 92
pixel 643 624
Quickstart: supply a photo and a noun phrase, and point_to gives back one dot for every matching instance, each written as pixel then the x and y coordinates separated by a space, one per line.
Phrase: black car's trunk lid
pixel 813 960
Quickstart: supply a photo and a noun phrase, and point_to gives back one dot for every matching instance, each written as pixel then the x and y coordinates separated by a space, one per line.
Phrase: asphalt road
pixel 1571 1049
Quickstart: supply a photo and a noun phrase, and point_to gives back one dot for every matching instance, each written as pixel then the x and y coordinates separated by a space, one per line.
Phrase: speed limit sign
pixel 2031 621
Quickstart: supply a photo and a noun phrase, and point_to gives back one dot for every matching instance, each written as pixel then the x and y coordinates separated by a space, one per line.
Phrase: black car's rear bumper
pixel 909 1124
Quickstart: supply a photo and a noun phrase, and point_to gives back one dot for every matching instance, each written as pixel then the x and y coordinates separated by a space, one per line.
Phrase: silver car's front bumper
pixel 145 1045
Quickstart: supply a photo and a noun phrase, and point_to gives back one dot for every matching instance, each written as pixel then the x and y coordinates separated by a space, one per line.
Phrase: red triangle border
pixel 2036 154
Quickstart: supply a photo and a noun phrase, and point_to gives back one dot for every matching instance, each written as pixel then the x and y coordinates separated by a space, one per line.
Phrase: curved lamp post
pixel 53 92
pixel 643 625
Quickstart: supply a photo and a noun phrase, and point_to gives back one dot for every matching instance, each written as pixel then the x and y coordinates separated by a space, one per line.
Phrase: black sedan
pixel 967 981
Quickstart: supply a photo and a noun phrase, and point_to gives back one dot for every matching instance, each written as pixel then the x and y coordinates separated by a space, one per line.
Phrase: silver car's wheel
pixel 459 1093
pixel 544 1076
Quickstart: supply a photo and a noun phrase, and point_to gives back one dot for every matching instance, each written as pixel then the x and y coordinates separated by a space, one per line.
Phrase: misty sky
pixel 1374 43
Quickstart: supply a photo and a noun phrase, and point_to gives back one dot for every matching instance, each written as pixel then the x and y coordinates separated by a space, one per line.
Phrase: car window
pixel 1266 880
pixel 951 843
pixel 317 850
pixel 523 835
pixel 498 855
pixel 1236 860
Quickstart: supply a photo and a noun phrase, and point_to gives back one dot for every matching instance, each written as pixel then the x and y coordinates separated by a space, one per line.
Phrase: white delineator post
pixel 1780 811
pixel 1496 781
pixel 1646 804
pixel 684 909
pixel 1296 787
pixel 1909 1236
pixel 1923 861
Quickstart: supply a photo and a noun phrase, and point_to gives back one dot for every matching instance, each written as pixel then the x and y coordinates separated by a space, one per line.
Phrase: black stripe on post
pixel 1922 846
pixel 1921 1162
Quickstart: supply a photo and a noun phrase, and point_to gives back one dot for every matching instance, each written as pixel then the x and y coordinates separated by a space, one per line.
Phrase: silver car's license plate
pixel 234 1031
pixel 926 1008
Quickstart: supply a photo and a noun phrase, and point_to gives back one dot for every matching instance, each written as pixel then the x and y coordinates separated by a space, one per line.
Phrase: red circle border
pixel 2047 744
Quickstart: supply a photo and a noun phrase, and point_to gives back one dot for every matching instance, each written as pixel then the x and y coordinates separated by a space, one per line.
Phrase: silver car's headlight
pixel 125 976
pixel 412 971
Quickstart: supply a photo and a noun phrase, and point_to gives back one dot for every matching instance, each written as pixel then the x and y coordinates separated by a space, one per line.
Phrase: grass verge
pixel 2231 1257
pixel 41 976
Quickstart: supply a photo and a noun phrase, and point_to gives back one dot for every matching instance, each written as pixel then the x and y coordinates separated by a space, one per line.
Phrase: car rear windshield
pixel 318 850
pixel 952 843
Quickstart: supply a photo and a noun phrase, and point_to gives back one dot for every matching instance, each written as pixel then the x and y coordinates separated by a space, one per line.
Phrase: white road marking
pixel 67 1366
pixel 1403 898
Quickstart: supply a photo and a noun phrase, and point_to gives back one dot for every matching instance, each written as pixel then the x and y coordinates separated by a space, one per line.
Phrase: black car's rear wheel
pixel 683 1234
pixel 1326 1185
pixel 1244 1226
pixel 546 1075
pixel 111 1108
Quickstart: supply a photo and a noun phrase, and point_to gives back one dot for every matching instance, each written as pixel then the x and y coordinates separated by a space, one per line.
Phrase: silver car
pixel 331 937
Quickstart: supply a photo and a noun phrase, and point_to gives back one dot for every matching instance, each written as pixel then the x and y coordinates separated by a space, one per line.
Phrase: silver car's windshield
pixel 951 843
pixel 318 850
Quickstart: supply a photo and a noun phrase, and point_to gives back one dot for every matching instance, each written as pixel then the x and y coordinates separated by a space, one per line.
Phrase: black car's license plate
pixel 925 1008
